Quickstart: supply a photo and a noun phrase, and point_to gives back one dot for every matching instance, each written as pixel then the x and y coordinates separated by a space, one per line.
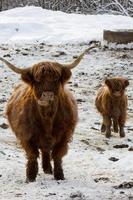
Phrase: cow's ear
pixel 108 82
pixel 27 77
pixel 66 74
pixel 126 82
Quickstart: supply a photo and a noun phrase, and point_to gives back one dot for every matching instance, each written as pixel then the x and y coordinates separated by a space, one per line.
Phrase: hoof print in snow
pixel 62 53
pixel 18 195
pixel 3 100
pixel 80 100
pixel 4 126
pixel 7 55
pixel 2 152
pixel 17 50
pixel 75 85
pixel 50 194
pixel 124 56
pixel 100 149
pixel 74 57
pixel 97 123
pixel 85 142
pixel 130 129
pixel 59 53
pixel 113 159
pixel 104 179
pixel 25 54
pixel 96 129
pixel 130 149
pixel 125 185
pixel 120 146
pixel 56 55
pixel 77 196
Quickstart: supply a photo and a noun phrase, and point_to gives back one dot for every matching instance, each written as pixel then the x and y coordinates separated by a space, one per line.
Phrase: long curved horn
pixel 92 47
pixel 77 61
pixel 13 67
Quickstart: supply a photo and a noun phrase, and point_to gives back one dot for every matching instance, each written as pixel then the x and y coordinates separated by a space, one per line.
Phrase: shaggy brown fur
pixel 43 115
pixel 111 102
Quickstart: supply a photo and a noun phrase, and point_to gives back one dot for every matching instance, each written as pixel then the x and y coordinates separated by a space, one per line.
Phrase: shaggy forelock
pixel 117 84
pixel 46 68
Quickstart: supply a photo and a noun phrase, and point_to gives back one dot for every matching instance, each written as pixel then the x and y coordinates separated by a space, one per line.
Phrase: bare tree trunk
pixel 43 3
pixel 1 2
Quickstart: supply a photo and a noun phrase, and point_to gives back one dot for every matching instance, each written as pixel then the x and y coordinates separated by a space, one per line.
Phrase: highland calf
pixel 43 114
pixel 111 102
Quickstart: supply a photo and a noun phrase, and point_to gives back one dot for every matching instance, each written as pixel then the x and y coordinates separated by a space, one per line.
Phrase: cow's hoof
pixel 28 180
pixel 59 176
pixel 48 170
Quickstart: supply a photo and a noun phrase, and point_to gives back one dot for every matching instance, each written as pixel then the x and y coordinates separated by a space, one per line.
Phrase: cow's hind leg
pixel 57 154
pixel 46 165
pixel 32 154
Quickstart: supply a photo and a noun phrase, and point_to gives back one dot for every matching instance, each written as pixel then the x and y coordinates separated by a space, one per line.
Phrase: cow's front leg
pixel 103 127
pixel 46 165
pixel 32 154
pixel 115 125
pixel 57 154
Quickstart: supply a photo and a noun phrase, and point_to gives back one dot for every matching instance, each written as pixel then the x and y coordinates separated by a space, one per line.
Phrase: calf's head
pixel 46 78
pixel 116 86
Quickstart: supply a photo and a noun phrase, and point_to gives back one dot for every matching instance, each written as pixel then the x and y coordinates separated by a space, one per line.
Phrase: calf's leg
pixel 121 122
pixel 107 122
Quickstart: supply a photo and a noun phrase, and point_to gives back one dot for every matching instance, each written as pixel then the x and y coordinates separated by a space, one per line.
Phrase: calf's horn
pixel 13 67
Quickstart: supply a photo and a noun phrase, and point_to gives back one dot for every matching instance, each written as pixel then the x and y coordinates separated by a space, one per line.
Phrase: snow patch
pixel 30 24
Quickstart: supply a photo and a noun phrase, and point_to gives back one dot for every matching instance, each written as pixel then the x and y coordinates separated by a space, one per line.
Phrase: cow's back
pixel 102 101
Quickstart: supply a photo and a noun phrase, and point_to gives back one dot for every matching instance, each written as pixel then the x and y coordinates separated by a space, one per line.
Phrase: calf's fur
pixel 111 102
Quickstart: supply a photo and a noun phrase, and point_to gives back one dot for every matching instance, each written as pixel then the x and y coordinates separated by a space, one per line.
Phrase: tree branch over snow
pixel 117 7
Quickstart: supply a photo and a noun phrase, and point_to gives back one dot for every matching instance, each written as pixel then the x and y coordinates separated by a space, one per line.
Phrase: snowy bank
pixel 30 24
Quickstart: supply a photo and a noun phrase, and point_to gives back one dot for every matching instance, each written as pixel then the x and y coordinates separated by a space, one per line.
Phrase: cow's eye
pixel 56 80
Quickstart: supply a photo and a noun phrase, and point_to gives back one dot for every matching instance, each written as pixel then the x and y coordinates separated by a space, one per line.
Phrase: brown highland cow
pixel 111 102
pixel 43 113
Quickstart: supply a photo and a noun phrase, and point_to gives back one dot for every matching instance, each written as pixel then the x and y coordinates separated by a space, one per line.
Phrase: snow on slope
pixel 29 24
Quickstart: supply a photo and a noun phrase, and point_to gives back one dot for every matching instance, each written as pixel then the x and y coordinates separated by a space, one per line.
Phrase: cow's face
pixel 117 86
pixel 48 81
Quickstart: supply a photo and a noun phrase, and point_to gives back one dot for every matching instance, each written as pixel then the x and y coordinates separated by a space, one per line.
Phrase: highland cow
pixel 111 102
pixel 43 113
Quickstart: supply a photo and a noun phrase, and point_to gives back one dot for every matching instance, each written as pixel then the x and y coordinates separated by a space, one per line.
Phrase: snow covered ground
pixel 94 169
pixel 30 24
